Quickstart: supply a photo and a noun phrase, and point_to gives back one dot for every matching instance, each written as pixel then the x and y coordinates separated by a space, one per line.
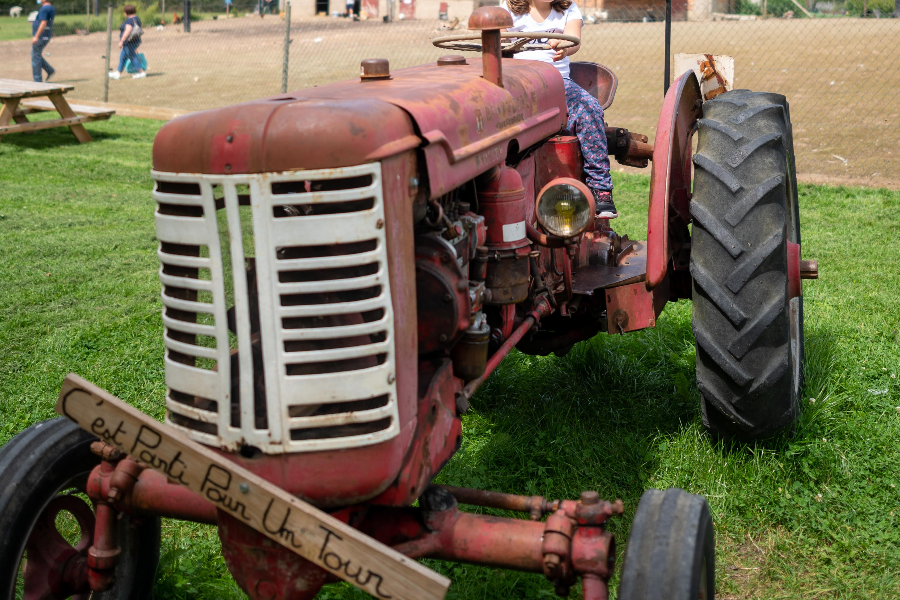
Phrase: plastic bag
pixel 131 68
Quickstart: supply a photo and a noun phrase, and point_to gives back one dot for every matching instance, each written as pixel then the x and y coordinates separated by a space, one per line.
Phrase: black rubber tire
pixel 43 460
pixel 671 551
pixel 745 210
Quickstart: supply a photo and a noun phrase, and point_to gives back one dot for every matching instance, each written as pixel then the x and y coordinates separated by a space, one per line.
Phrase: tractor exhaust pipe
pixel 491 20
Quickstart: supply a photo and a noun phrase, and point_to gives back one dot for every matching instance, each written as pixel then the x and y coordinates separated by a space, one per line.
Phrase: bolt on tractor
pixel 344 266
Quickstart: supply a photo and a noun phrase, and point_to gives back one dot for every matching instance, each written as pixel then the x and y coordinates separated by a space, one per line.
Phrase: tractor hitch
pixel 630 149
pixel 571 543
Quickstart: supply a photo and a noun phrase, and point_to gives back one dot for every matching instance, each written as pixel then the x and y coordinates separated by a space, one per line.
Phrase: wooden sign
pixel 296 525
pixel 715 72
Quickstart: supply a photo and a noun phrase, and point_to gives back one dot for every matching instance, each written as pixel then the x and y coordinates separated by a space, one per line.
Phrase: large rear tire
pixel 671 549
pixel 749 335
pixel 47 462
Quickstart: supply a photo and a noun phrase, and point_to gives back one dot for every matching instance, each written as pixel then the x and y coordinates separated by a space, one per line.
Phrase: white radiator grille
pixel 324 326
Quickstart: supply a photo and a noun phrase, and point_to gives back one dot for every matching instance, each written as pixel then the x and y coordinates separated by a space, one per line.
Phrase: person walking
pixel 42 31
pixel 129 39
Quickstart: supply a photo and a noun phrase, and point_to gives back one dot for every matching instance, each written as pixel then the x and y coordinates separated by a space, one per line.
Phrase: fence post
pixel 108 50
pixel 667 76
pixel 187 16
pixel 87 12
pixel 287 46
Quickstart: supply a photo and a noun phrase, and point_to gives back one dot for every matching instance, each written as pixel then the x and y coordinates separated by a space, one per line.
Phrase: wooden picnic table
pixel 23 97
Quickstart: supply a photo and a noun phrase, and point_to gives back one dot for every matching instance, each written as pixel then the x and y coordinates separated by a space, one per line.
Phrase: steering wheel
pixel 511 42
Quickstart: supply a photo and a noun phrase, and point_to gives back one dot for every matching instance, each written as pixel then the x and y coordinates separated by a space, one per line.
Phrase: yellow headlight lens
pixel 563 210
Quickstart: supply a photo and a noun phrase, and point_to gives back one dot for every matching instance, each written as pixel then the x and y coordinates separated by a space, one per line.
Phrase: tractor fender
pixel 670 179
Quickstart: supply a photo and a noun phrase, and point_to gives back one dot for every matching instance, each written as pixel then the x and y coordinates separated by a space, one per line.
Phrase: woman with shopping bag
pixel 129 39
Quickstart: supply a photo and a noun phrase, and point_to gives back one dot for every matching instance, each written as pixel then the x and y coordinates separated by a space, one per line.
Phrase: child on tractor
pixel 585 113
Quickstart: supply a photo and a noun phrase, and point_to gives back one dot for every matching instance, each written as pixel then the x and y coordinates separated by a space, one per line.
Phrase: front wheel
pixel 47 523
pixel 671 549
pixel 748 330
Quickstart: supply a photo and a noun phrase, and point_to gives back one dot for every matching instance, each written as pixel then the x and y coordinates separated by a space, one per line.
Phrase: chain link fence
pixel 840 71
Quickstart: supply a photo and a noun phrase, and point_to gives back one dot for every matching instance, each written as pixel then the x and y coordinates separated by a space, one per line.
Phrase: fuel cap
pixel 373 69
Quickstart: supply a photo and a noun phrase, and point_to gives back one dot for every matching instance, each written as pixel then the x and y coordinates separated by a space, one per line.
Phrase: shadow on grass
pixel 594 418
pixel 819 364
pixel 822 378
pixel 556 426
pixel 600 418
pixel 591 420
pixel 46 139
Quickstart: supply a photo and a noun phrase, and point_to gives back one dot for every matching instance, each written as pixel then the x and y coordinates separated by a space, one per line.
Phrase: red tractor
pixel 344 266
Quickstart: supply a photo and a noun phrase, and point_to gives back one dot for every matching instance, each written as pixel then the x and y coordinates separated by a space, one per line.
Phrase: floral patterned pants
pixel 586 123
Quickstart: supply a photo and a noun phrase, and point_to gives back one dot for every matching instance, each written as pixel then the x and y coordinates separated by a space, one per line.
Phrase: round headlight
pixel 565 207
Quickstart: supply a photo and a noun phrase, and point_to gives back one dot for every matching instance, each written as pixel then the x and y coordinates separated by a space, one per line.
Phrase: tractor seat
pixel 599 81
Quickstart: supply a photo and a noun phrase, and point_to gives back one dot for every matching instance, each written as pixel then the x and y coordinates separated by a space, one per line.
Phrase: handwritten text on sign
pixel 311 533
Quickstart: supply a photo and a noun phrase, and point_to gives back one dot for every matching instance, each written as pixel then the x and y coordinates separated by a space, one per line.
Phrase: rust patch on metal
pixel 466 124
pixel 489 18
pixel 708 71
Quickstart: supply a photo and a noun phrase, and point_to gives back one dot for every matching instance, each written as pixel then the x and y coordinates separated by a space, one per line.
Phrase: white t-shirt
pixel 554 23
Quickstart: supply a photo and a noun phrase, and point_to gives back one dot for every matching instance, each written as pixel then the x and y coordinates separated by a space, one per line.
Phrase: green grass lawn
pixel 15 29
pixel 813 516
pixel 20 28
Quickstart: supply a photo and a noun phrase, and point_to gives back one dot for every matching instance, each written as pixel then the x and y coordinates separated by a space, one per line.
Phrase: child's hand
pixel 562 52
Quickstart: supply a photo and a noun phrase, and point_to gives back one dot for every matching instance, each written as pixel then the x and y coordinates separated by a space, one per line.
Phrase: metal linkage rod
pixel 535 506
pixel 152 494
pixel 542 309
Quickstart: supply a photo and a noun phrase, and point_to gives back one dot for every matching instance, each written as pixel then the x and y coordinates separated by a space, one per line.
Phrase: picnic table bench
pixel 24 97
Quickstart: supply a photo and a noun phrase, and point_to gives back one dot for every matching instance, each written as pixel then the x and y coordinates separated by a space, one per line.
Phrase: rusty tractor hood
pixel 463 123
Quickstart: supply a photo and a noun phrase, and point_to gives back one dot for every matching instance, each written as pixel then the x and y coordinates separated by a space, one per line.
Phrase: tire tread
pixel 670 534
pixel 741 325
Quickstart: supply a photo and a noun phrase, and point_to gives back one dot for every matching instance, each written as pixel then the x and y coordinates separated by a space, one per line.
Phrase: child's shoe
pixel 604 206
pixel 114 75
